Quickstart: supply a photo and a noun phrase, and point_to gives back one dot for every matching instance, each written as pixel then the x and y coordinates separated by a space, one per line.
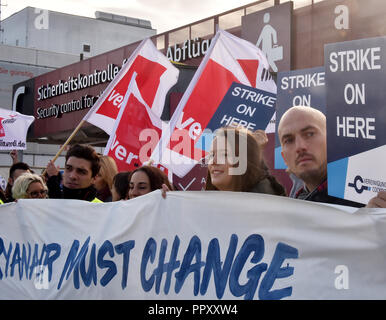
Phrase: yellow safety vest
pixel 96 200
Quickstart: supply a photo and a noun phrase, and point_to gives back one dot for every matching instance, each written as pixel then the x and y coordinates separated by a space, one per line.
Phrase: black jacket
pixel 57 191
pixel 320 195
pixel 268 186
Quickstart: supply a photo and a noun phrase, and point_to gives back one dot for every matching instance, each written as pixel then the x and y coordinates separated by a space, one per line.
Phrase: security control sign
pixel 356 118
pixel 305 87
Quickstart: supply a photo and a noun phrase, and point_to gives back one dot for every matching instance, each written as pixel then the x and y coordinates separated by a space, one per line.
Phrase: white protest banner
pixel 356 118
pixel 13 129
pixel 235 246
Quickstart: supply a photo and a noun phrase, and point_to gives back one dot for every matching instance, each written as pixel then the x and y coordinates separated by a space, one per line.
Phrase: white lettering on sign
pixel 356 127
pixel 78 82
pixel 355 60
pixel 302 101
pixel 253 96
pixel 354 94
pixel 246 110
pixel 303 81
pixel 189 49
pixel 228 121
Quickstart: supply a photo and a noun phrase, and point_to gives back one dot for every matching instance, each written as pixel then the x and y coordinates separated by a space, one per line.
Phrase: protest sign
pixel 304 87
pixel 356 118
pixel 268 247
pixel 13 129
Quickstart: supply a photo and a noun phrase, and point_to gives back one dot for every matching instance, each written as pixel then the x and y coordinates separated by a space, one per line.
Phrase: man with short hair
pixel 16 170
pixel 81 167
pixel 303 138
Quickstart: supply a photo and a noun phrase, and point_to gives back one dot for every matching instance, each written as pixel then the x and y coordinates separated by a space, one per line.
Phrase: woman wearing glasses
pixel 29 186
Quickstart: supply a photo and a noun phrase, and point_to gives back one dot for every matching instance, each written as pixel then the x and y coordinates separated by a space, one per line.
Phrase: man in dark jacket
pixel 303 137
pixel 81 167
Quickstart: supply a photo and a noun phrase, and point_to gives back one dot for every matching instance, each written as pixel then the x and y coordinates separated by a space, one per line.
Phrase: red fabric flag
pixel 136 131
pixel 155 76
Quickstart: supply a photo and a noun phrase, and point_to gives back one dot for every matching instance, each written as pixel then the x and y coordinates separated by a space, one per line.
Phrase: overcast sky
pixel 163 14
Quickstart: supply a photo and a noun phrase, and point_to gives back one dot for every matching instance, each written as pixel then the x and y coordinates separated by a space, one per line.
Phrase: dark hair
pixel 121 184
pixel 156 176
pixel 19 166
pixel 86 152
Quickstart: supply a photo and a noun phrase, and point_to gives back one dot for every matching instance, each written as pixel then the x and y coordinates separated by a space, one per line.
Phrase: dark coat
pixel 268 186
pixel 320 195
pixel 57 191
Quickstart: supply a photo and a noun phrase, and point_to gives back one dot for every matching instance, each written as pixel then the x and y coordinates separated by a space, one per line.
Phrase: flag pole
pixel 66 143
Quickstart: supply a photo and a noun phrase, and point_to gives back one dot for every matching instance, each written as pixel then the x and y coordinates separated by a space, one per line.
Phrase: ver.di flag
pixel 229 60
pixel 13 129
pixel 136 122
pixel 155 76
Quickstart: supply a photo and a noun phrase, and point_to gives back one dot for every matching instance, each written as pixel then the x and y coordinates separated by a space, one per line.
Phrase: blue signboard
pixel 242 106
pixel 356 118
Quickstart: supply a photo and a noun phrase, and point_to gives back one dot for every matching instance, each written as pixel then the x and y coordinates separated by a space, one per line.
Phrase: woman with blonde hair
pixel 236 164
pixel 29 186
pixel 104 179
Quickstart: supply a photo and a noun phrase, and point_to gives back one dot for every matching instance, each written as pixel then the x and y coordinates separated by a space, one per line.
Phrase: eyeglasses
pixel 36 194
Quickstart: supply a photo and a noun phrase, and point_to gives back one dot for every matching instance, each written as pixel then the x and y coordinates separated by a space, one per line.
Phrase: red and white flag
pixel 13 129
pixel 229 59
pixel 155 76
pixel 136 131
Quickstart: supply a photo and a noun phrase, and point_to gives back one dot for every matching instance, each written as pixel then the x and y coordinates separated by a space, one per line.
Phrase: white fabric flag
pixel 13 129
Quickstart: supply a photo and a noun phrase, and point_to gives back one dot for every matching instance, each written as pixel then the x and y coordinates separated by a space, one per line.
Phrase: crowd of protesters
pixel 93 177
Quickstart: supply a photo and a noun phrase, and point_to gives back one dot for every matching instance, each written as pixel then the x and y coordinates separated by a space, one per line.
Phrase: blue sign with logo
pixel 356 118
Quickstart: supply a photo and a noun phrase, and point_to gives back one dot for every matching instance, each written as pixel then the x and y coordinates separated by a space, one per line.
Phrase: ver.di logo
pixel 359 187
pixel 10 119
